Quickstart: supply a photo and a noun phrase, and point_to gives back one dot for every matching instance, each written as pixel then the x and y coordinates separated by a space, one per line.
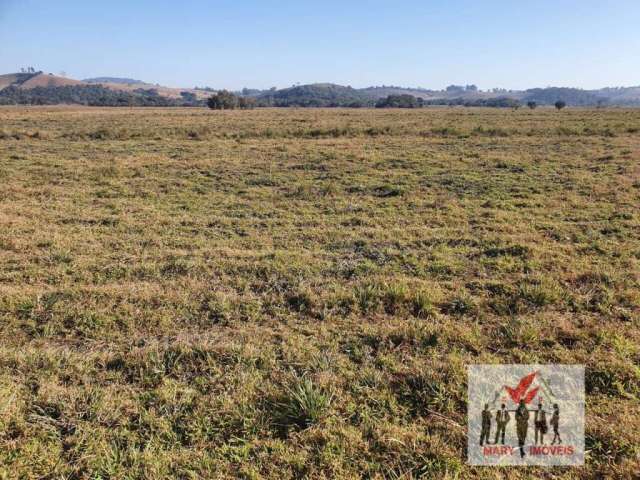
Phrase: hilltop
pixel 48 80
pixel 125 81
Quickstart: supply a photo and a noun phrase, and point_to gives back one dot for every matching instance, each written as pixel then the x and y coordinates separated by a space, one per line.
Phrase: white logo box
pixel 542 421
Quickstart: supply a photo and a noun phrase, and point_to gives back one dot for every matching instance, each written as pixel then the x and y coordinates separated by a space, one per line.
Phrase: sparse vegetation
pixel 296 293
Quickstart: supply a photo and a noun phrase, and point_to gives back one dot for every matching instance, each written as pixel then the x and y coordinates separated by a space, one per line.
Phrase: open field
pixel 297 293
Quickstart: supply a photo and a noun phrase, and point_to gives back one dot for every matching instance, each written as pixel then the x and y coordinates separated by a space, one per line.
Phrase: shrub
pixel 306 403
pixel 366 297
pixel 422 305
pixel 223 100
pixel 459 306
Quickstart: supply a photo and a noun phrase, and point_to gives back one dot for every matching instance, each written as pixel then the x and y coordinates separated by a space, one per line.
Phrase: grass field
pixel 297 293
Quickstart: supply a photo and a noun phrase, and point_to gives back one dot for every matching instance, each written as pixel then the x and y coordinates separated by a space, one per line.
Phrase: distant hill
pixel 48 80
pixel 572 96
pixel 167 92
pixel 14 79
pixel 45 88
pixel 124 81
pixel 92 95
pixel 382 92
pixel 331 95
pixel 316 95
pixel 47 83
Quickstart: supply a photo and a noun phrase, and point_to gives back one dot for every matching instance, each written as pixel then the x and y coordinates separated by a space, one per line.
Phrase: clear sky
pixel 237 43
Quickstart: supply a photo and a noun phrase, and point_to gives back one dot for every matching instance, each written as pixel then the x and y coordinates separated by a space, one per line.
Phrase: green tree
pixel 560 104
pixel 223 100
pixel 399 101
pixel 532 105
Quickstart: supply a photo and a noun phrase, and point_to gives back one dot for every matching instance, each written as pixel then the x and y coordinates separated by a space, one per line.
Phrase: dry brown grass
pixel 296 293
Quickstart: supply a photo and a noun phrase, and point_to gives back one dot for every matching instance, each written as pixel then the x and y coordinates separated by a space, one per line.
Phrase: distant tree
pixel 560 104
pixel 400 101
pixel 189 97
pixel 250 92
pixel 247 103
pixel 471 88
pixel 532 105
pixel 223 100
pixel 356 104
pixel 455 88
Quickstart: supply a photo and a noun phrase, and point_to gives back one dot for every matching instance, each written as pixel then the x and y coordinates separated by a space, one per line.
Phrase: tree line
pixel 93 95
pixel 318 96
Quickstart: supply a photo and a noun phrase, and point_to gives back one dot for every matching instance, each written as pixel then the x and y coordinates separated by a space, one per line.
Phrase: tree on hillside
pixel 532 105
pixel 560 104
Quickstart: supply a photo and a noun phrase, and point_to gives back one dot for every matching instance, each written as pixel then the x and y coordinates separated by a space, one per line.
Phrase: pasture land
pixel 297 293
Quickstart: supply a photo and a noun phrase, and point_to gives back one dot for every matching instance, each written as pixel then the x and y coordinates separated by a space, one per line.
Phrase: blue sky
pixel 233 44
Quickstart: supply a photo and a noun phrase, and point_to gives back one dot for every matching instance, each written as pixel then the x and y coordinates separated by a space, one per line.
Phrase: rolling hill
pixel 46 88
pixel 48 80
pixel 13 79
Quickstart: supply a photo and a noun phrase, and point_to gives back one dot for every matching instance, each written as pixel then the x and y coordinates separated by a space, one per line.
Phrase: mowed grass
pixel 297 293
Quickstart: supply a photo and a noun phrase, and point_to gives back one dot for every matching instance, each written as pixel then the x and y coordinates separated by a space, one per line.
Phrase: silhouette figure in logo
pixel 540 422
pixel 486 425
pixel 522 425
pixel 555 423
pixel 502 418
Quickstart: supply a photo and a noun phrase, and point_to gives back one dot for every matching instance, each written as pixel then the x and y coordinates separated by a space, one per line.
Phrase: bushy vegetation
pixel 296 293
pixel 317 95
pixel 498 102
pixel 225 100
pixel 91 95
pixel 400 101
